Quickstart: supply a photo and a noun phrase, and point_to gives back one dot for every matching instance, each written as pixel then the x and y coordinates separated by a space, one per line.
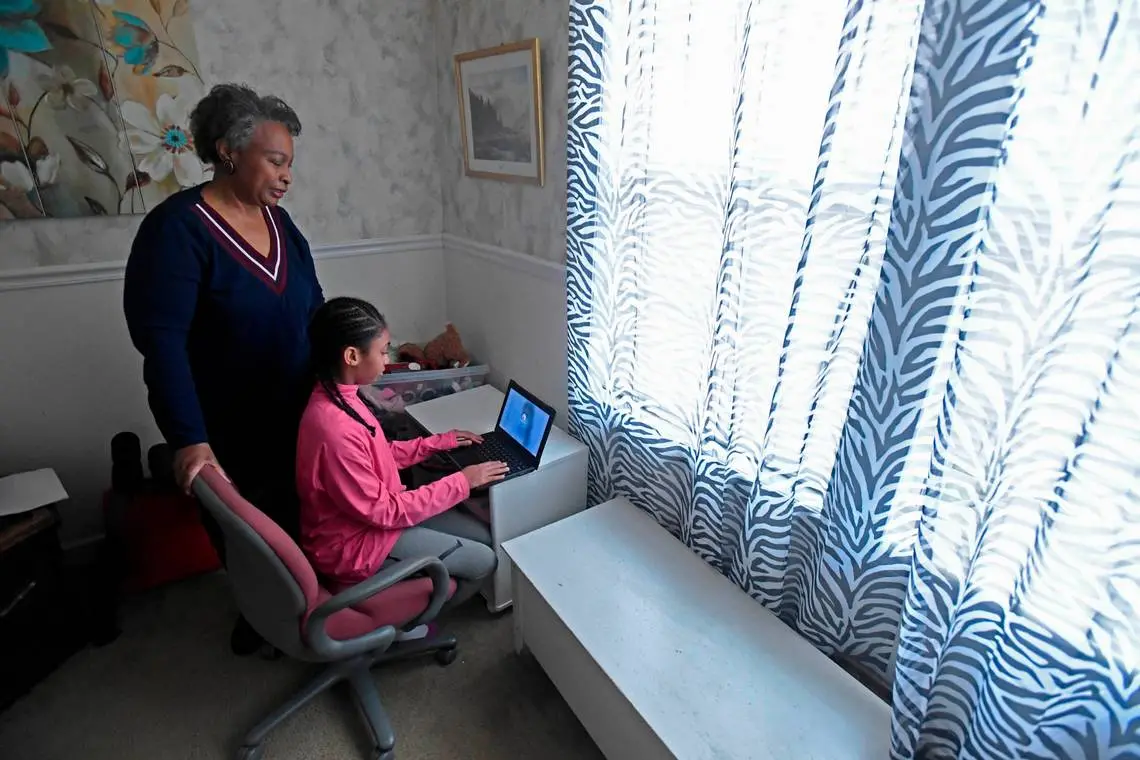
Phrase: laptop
pixel 519 436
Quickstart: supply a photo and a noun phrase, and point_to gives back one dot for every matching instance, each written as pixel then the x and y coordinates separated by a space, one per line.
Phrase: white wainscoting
pixel 511 311
pixel 70 378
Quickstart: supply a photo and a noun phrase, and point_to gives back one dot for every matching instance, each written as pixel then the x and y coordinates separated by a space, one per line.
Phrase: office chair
pixel 278 593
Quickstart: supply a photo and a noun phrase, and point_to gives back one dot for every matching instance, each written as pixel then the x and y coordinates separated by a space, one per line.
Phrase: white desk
pixel 555 490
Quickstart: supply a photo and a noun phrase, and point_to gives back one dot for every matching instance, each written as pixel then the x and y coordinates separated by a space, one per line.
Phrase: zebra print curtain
pixel 854 311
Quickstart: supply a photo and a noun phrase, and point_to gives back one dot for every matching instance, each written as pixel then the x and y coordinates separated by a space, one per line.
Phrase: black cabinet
pixel 44 613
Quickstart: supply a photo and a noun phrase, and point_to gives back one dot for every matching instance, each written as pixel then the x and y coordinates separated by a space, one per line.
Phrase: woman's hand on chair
pixel 485 473
pixel 467 439
pixel 189 461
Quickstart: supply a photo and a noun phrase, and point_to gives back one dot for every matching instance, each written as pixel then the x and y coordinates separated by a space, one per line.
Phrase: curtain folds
pixel 853 302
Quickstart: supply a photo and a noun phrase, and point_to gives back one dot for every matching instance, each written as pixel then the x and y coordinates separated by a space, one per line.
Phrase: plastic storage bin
pixel 403 388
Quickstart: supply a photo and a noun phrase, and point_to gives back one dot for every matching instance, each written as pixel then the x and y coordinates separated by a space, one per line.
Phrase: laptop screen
pixel 523 421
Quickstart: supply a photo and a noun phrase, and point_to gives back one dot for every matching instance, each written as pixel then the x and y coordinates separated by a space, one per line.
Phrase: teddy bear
pixel 446 350
pixel 410 352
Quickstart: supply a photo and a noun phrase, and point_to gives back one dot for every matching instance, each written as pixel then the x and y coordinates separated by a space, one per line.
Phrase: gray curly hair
pixel 231 112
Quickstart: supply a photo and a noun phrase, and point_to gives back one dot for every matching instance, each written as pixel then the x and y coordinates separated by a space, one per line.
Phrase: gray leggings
pixel 461 541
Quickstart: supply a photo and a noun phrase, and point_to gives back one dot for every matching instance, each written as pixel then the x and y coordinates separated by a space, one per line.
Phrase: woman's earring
pixel 229 166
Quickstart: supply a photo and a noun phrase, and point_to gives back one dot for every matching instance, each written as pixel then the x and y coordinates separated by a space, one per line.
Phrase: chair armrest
pixel 326 646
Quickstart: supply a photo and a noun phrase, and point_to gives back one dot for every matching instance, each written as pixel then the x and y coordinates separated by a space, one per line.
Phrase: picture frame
pixel 499 91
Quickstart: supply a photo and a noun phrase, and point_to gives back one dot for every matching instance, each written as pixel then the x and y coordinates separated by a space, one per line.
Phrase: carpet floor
pixel 169 687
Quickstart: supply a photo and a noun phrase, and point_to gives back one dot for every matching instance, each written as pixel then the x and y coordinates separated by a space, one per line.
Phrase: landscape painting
pixel 95 100
pixel 500 106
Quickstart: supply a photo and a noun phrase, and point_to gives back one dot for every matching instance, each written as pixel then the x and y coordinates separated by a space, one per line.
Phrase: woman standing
pixel 220 287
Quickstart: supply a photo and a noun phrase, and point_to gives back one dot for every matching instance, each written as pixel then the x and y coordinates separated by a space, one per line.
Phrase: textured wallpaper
pixel 523 218
pixel 364 79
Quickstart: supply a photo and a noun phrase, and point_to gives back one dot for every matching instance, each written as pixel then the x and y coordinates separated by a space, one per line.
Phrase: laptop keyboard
pixel 494 449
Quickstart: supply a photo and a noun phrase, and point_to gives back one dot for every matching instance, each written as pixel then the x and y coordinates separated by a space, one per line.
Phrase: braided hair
pixel 338 324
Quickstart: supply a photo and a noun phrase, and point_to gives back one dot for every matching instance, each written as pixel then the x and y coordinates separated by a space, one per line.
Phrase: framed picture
pixel 500 112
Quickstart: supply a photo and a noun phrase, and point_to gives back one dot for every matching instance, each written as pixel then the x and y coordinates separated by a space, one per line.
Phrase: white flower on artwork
pixel 47 169
pixel 162 140
pixel 15 176
pixel 62 89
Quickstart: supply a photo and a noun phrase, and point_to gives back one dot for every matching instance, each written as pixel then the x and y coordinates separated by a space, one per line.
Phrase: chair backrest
pixel 273 582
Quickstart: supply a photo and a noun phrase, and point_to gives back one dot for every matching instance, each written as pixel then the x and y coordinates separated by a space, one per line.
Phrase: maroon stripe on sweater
pixel 270 270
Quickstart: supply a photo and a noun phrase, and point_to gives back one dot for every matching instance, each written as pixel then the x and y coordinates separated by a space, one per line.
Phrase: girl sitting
pixel 355 512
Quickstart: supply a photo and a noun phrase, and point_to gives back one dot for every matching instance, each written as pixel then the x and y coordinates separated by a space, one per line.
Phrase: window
pixel 717 129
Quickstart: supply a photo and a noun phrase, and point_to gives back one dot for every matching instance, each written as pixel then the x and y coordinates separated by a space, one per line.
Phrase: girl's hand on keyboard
pixel 467 439
pixel 479 475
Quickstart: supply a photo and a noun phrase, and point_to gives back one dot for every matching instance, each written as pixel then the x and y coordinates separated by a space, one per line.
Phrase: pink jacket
pixel 353 505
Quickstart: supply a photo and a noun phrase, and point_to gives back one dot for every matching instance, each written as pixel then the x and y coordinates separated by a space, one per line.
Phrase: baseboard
pixel 83 543
pixel 83 551
pixel 82 274
pixel 543 270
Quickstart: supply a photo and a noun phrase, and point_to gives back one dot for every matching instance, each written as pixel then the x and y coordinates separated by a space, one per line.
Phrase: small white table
pixel 555 490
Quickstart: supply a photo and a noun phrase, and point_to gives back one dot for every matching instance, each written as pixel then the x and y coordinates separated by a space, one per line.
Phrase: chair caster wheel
pixel 445 656
pixel 250 753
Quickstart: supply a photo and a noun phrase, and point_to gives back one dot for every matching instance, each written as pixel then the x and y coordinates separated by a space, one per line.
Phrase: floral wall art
pixel 95 98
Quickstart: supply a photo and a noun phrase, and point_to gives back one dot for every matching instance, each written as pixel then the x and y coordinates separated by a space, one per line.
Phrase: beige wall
pixel 522 218
pixel 512 308
pixel 363 79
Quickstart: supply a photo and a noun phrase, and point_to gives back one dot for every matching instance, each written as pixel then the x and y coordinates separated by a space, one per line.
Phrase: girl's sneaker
pixel 425 631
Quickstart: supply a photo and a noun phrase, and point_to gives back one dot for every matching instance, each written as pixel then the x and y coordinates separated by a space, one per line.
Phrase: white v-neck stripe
pixel 276 240
pixel 256 258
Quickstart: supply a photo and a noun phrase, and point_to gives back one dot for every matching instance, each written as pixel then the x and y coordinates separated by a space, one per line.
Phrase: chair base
pixel 356 672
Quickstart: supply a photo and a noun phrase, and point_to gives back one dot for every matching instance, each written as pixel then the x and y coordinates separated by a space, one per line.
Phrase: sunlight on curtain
pixel 900 414
pixel 1053 290
pixel 749 194
pixel 1026 576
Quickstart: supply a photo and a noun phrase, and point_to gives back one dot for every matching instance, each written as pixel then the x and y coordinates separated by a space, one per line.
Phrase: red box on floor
pixel 160 537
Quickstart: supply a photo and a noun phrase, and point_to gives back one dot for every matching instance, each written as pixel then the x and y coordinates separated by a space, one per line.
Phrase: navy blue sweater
pixel 223 331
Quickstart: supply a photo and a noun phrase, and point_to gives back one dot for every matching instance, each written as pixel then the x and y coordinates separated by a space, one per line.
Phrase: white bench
pixel 660 656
